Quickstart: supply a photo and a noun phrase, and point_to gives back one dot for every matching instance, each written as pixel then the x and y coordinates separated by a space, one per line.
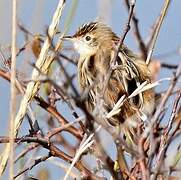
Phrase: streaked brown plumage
pixel 95 42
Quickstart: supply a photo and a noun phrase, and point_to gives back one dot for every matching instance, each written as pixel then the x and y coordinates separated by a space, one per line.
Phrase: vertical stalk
pixel 13 88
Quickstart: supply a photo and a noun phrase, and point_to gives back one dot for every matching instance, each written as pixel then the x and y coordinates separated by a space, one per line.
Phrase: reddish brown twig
pixel 165 139
pixel 120 43
pixel 5 75
pixel 36 162
pixel 58 116
pixel 166 96
pixel 54 151
pixel 24 152
pixel 142 46
pixel 52 110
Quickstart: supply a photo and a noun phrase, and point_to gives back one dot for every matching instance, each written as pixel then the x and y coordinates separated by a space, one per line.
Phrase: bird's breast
pixel 86 71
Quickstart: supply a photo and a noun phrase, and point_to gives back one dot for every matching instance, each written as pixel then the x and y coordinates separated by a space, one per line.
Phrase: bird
pixel 96 44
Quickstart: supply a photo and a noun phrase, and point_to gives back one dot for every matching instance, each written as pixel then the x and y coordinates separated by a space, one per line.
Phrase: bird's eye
pixel 87 38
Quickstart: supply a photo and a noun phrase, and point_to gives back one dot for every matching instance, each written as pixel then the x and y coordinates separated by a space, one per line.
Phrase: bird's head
pixel 92 37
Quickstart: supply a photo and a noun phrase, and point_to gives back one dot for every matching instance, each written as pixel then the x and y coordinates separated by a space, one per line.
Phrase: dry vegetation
pixel 52 88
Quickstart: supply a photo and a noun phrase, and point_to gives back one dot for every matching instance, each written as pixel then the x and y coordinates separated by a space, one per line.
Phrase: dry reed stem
pixel 43 64
pixel 13 88
pixel 157 30
pixel 85 144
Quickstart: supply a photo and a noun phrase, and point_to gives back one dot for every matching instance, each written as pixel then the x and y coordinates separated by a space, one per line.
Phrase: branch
pixel 169 66
pixel 36 162
pixel 5 75
pixel 52 110
pixel 120 43
pixel 157 30
pixel 139 39
pixel 167 94
pixel 165 140
pixel 42 63
pixel 24 152
pixel 47 107
pixel 54 151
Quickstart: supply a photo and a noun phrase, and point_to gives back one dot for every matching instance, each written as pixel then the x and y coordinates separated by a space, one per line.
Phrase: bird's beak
pixel 67 38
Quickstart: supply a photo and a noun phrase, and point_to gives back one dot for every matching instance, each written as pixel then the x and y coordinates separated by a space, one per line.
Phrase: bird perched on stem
pixel 96 44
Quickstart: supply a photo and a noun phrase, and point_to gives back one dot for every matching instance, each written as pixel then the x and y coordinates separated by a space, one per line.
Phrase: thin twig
pixel 165 140
pixel 120 43
pixel 67 58
pixel 52 110
pixel 36 162
pixel 24 152
pixel 137 33
pixel 54 151
pixel 169 66
pixel 5 75
pixel 157 30
pixel 166 96
pixel 142 159
pixel 86 143
pixel 64 127
pixel 173 114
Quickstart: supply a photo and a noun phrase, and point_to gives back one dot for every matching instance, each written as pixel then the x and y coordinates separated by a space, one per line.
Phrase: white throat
pixel 83 49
